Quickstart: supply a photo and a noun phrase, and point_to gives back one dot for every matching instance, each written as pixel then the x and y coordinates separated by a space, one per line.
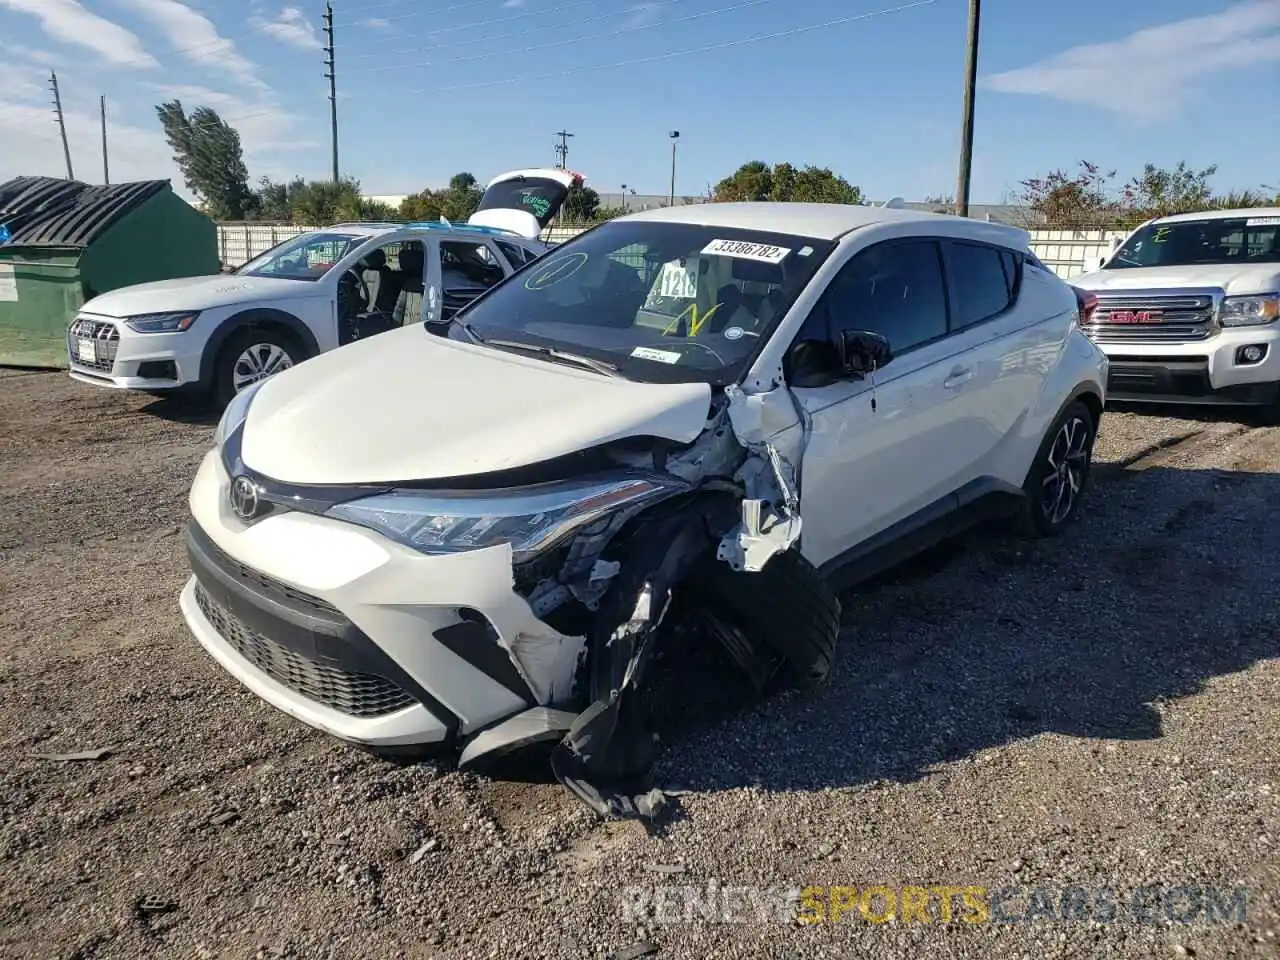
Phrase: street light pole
pixel 675 135
pixel 966 134
pixel 624 198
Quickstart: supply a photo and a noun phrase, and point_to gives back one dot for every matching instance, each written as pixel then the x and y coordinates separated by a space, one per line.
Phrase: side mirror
pixel 863 352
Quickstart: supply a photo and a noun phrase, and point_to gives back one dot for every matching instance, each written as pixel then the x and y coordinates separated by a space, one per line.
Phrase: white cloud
pixel 196 38
pixel 1148 74
pixel 30 53
pixel 513 3
pixel 289 26
pixel 375 23
pixel 134 153
pixel 69 22
pixel 642 14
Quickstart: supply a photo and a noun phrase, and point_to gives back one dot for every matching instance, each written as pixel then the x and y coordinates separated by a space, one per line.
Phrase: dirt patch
pixel 1100 710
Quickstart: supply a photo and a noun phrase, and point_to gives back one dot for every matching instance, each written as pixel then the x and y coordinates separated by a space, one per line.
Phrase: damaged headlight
pixel 531 519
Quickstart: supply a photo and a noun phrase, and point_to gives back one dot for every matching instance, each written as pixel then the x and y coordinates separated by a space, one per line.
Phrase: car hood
pixel 196 293
pixel 1235 279
pixel 408 405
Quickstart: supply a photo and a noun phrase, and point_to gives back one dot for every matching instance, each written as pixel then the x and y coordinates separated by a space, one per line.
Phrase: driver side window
pixel 895 289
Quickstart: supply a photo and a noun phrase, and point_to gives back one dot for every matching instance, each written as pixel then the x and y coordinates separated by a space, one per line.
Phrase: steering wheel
pixel 360 282
pixel 698 343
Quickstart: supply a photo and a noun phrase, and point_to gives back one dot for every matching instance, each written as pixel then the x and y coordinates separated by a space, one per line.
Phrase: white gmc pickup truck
pixel 1186 308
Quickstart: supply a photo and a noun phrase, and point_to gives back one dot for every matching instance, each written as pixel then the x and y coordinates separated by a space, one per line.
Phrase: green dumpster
pixel 63 242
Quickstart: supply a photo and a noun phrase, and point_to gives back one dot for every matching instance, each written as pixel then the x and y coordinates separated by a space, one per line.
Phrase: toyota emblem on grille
pixel 244 498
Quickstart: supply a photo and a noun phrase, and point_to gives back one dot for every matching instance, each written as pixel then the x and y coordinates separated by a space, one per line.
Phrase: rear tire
pixel 1059 476
pixel 249 355
pixel 787 608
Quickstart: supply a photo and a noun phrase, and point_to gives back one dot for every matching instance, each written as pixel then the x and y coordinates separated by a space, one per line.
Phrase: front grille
pixel 268 585
pixel 105 338
pixel 355 694
pixel 1134 317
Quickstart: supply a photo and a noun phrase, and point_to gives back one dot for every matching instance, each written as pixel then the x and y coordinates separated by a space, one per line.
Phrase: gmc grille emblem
pixel 1135 316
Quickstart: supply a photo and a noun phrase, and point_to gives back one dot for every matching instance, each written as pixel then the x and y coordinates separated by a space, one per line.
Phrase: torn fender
pixel 769 425
pixel 607 755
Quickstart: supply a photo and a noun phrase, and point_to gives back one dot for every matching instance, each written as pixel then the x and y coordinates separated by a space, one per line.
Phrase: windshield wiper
pixel 574 359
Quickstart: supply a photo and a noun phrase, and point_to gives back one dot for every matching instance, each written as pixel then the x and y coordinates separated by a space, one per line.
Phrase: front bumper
pixel 355 635
pixel 1209 371
pixel 105 352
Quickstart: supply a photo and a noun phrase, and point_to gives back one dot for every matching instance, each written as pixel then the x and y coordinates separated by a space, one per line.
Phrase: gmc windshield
pixel 1185 243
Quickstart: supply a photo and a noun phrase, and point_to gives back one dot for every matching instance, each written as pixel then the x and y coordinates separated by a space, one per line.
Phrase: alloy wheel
pixel 1068 461
pixel 257 363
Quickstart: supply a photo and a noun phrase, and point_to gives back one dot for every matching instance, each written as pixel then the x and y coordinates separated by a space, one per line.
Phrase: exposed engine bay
pixel 723 537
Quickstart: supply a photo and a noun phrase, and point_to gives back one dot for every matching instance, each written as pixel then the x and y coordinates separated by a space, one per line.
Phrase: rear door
pixel 466 268
pixel 1002 344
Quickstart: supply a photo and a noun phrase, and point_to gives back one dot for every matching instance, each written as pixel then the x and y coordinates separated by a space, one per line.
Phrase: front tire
pixel 251 355
pixel 1056 483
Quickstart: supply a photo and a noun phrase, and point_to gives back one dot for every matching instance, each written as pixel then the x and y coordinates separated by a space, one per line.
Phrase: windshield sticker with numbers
pixel 763 252
pixel 661 356
pixel 1262 222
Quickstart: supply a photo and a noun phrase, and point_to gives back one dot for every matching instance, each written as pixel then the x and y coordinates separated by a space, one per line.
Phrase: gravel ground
pixel 1100 711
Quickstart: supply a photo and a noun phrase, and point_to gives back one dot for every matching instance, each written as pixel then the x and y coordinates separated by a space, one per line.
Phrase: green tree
pixel 461 198
pixel 425 205
pixel 580 205
pixel 208 153
pixel 274 201
pixel 322 202
pixel 1082 200
pixel 783 182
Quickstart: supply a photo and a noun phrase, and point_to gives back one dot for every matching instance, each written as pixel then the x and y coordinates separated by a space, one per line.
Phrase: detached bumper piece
pixel 790 621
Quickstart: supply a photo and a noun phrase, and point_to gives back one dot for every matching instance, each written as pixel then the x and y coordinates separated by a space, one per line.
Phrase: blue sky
pixel 431 87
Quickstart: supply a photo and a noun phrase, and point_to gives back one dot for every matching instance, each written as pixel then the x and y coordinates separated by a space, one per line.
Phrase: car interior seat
pixel 408 306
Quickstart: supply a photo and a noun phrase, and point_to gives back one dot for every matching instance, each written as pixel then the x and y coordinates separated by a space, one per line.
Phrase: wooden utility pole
pixel 966 133
pixel 330 73
pixel 562 149
pixel 106 171
pixel 62 124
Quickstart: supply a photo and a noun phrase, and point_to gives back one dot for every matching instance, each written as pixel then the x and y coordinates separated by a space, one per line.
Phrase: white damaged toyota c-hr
pixel 692 422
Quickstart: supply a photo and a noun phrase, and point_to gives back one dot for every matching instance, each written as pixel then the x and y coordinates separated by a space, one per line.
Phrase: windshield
pixel 664 302
pixel 1240 240
pixel 306 257
pixel 538 195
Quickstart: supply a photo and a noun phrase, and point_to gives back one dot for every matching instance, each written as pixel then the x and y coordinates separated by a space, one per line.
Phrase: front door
pixel 880 449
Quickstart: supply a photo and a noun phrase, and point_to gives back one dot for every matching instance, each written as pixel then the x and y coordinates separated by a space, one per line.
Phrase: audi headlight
pixel 162 322
pixel 531 519
pixel 1250 311
pixel 236 413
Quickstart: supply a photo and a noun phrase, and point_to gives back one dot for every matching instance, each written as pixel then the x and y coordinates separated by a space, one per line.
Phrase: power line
pixel 453 28
pixel 333 89
pixel 62 126
pixel 456 6
pixel 524 31
pixel 574 40
pixel 672 54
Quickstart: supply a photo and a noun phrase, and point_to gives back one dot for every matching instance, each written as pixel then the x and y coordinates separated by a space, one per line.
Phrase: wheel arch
pixel 262 318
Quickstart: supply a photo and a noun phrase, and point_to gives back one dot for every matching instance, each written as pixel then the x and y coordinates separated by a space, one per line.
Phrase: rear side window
pixel 984 282
pixel 517 255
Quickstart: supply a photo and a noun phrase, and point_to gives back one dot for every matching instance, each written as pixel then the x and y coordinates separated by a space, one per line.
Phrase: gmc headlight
pixel 1250 311
pixel 531 519
pixel 235 414
pixel 162 322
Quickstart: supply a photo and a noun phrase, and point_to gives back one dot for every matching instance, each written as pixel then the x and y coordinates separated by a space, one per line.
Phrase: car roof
pixel 1248 212
pixel 824 221
pixel 361 228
